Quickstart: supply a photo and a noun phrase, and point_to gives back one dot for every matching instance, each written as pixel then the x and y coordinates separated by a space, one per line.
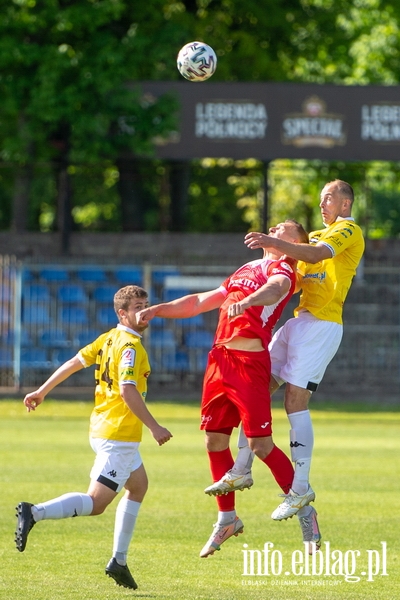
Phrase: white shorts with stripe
pixel 114 462
pixel 302 349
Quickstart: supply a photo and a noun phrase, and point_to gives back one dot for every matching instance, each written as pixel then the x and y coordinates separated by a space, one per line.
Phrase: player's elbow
pixel 124 392
pixel 319 253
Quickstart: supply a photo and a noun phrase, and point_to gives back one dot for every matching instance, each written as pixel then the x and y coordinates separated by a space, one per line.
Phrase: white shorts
pixel 114 462
pixel 302 349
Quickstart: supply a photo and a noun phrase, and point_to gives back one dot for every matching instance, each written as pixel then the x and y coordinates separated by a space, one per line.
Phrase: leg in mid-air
pixel 239 477
pixel 297 500
pixel 301 447
pixel 228 523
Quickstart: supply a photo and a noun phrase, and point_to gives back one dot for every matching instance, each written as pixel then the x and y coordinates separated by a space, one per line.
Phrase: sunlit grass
pixel 355 474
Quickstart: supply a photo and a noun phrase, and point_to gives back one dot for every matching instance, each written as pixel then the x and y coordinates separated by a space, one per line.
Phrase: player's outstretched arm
pixel 304 252
pixel 135 403
pixel 183 308
pixel 33 399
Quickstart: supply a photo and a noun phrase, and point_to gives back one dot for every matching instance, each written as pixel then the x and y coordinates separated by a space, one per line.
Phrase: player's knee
pixel 98 509
pixel 296 399
pixel 216 443
pixel 212 446
pixel 138 493
pixel 100 503
pixel 261 447
pixel 137 485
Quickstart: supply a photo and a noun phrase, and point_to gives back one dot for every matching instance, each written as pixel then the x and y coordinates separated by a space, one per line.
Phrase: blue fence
pixel 49 312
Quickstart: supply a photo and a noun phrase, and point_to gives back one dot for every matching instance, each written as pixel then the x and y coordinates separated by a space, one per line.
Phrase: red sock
pixel 220 463
pixel 281 468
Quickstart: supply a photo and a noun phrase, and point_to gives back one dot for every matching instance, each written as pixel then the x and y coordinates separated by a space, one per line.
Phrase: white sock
pixel 301 447
pixel 305 511
pixel 245 457
pixel 226 518
pixel 125 521
pixel 68 505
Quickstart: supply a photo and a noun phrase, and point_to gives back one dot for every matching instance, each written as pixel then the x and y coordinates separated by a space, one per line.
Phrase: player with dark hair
pixel 116 422
pixel 302 349
pixel 238 371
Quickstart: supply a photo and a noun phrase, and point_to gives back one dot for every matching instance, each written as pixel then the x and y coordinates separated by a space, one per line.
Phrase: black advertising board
pixel 282 120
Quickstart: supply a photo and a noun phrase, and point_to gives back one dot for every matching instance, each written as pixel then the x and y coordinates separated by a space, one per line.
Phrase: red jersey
pixel 257 321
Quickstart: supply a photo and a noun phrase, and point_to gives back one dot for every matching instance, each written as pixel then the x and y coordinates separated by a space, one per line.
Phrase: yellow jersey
pixel 325 284
pixel 120 359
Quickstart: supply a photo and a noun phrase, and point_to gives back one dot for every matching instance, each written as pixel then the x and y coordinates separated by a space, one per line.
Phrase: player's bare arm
pixel 135 403
pixel 33 399
pixel 270 293
pixel 304 252
pixel 185 307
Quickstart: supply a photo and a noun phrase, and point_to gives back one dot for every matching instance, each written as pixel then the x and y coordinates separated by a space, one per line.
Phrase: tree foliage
pixel 72 110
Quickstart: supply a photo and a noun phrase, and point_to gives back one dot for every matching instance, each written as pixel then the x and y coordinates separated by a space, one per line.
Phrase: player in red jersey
pixel 238 371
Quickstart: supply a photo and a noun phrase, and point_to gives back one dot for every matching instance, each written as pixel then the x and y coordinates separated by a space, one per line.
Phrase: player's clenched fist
pixel 236 309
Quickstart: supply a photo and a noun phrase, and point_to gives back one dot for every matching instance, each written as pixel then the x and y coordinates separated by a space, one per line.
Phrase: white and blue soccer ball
pixel 196 61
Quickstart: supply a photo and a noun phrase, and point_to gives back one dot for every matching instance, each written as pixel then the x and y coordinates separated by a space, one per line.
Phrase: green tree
pixel 326 41
pixel 65 70
pixel 75 126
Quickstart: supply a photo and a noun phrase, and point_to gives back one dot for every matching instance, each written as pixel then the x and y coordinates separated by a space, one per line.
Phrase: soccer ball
pixel 196 61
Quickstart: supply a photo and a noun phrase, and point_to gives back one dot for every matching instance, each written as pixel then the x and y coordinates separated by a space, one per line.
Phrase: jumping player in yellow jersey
pixel 122 369
pixel 302 349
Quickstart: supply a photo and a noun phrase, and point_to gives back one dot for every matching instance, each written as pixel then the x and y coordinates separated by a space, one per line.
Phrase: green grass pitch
pixel 355 474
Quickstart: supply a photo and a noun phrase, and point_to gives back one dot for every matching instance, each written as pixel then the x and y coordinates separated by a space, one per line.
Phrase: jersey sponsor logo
pixel 346 231
pixel 336 240
pixel 287 267
pixel 128 357
pixel 128 372
pixel 245 282
pixel 319 276
pixel 205 419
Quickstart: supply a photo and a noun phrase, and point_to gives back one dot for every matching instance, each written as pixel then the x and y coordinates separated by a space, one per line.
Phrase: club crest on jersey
pixel 287 267
pixel 128 357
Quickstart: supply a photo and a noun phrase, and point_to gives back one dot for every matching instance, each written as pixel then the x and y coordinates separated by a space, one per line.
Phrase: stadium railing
pixel 40 326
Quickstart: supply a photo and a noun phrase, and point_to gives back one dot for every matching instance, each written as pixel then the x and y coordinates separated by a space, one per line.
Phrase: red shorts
pixel 236 388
